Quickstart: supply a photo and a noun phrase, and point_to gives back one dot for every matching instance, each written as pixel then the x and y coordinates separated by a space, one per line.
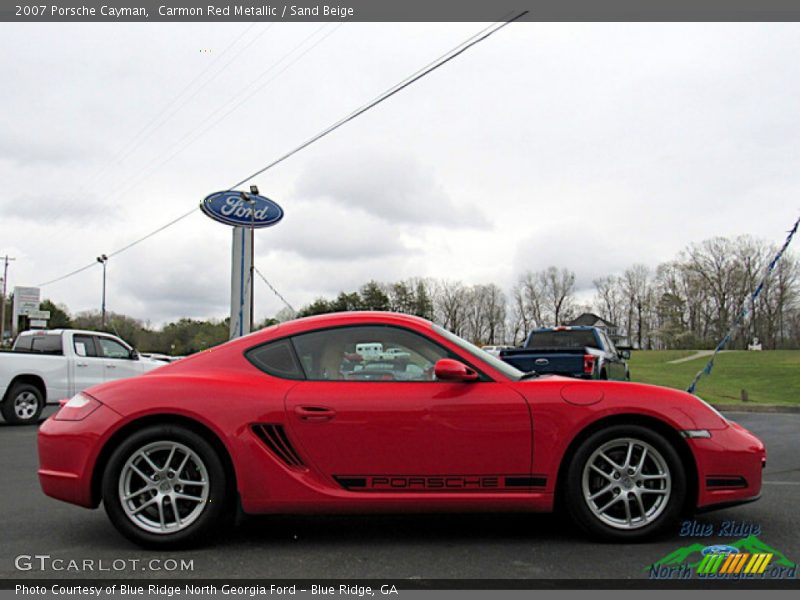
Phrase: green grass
pixel 770 377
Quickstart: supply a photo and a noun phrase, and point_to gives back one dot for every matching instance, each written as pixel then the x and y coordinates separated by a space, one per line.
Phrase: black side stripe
pixel 536 481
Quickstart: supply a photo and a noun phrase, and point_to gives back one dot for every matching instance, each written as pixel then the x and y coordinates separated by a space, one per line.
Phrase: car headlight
pixel 77 408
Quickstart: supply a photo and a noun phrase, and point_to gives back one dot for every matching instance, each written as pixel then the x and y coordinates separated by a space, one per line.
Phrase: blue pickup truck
pixel 582 352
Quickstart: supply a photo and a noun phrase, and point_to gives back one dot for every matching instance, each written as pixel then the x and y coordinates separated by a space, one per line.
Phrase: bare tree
pixel 639 296
pixel 609 299
pixel 449 305
pixel 495 311
pixel 558 288
pixel 529 300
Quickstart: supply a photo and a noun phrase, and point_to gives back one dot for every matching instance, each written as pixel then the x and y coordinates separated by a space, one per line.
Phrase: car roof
pixel 360 317
pixel 61 330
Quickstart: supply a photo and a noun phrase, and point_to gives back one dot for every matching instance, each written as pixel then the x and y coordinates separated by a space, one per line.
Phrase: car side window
pixel 47 344
pixel 84 345
pixel 112 348
pixel 277 359
pixel 367 353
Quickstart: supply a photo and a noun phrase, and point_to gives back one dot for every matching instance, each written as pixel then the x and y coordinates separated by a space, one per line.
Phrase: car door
pixel 378 425
pixel 88 365
pixel 117 359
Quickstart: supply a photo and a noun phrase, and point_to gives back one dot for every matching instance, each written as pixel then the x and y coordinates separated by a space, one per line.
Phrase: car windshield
pixel 494 362
pixel 575 338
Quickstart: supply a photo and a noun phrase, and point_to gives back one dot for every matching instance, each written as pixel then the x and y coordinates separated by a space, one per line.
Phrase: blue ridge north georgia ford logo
pixel 241 210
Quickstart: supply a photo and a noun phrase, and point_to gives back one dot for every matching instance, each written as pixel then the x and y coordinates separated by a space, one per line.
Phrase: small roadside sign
pixel 26 299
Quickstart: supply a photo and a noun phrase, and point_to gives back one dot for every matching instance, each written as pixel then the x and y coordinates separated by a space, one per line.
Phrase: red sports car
pixel 285 420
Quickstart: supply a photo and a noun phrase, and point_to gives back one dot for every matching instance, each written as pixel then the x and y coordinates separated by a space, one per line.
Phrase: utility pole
pixel 103 259
pixel 6 260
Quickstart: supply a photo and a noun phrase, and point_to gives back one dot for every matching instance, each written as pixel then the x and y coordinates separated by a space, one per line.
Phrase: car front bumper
pixel 68 451
pixel 729 467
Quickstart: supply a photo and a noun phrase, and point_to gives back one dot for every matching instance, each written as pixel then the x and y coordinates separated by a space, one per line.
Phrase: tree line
pixel 687 302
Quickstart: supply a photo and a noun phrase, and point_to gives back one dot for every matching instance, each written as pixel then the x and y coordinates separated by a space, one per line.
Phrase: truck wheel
pixel 625 483
pixel 23 405
pixel 165 487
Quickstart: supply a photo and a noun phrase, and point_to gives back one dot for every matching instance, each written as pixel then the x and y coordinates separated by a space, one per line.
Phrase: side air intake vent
pixel 274 438
pixel 725 481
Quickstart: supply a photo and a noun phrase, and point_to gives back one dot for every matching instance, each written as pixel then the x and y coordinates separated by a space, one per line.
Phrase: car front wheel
pixel 165 486
pixel 625 483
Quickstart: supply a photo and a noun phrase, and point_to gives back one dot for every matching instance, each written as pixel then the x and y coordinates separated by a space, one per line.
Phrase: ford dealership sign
pixel 241 210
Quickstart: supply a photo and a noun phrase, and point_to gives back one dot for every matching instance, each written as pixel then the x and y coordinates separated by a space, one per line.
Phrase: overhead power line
pixel 403 84
pixel 118 251
pixel 428 69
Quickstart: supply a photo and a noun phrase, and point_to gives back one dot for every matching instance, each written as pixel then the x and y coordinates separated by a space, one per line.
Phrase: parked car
pixel 45 366
pixel 581 352
pixel 268 423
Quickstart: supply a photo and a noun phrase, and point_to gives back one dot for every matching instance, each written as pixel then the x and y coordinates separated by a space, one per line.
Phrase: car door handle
pixel 314 413
pixel 81 364
pixel 111 366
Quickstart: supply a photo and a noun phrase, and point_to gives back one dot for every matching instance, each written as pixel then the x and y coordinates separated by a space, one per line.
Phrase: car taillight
pixel 78 408
pixel 588 363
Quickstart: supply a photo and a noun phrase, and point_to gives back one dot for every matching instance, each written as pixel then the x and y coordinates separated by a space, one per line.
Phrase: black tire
pixel 23 404
pixel 212 512
pixel 620 523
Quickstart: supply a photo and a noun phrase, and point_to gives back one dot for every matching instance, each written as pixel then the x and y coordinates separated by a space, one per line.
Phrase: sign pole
pixel 251 281
pixel 241 282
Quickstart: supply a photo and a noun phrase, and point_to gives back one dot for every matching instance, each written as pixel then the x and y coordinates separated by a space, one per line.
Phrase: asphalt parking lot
pixel 428 547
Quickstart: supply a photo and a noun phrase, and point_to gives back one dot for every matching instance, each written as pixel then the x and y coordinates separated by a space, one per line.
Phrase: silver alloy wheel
pixel 25 405
pixel 626 483
pixel 163 487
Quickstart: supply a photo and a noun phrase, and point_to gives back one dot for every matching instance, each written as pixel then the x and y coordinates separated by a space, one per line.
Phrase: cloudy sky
pixel 588 146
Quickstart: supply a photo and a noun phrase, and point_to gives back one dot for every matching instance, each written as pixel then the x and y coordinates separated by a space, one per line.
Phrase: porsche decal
pixel 439 483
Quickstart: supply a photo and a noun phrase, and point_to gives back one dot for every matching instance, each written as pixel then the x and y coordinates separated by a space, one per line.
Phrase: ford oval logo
pixel 541 361
pixel 721 549
pixel 240 210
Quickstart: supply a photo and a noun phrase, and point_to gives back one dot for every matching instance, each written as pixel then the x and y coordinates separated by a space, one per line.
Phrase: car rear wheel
pixel 625 483
pixel 164 486
pixel 23 405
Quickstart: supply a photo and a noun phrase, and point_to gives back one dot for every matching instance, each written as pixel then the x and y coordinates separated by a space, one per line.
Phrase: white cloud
pixel 389 185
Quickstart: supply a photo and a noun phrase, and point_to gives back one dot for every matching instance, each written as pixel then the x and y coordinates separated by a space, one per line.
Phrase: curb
pixel 756 408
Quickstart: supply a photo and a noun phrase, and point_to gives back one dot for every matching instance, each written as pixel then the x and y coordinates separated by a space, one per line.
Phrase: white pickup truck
pixel 45 366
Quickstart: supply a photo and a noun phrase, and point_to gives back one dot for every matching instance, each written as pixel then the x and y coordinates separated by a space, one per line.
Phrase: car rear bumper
pixel 67 455
pixel 729 467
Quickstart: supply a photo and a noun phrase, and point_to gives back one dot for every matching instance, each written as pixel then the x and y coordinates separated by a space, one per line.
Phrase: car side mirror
pixel 625 353
pixel 448 369
pixel 134 354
